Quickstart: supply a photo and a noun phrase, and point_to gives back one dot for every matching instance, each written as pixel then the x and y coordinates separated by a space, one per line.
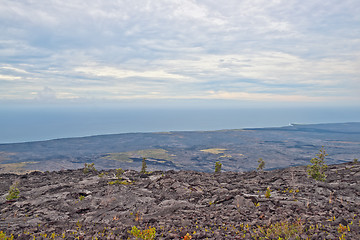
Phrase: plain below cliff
pixel 238 150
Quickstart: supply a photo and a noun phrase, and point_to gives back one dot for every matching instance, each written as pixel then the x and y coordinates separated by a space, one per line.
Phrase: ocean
pixel 23 124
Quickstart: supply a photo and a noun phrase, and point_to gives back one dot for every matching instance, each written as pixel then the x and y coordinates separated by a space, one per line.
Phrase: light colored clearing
pixel 154 154
pixel 214 150
pixel 18 168
pixel 122 157
pixel 238 155
pixel 150 154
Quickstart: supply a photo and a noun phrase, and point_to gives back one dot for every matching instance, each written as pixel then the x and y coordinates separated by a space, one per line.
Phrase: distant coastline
pixel 26 125
pixel 179 131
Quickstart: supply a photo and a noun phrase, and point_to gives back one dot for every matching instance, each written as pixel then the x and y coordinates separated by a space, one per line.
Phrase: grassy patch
pixel 220 152
pixel 155 154
pixel 15 167
pixel 122 157
pixel 146 153
pixel 214 150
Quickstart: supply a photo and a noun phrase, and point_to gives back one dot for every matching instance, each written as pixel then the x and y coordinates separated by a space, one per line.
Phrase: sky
pixel 300 52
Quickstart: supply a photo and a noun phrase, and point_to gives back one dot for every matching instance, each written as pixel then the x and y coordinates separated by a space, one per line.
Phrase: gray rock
pixel 213 206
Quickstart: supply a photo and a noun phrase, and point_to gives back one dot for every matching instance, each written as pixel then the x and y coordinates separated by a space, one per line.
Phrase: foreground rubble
pixel 72 204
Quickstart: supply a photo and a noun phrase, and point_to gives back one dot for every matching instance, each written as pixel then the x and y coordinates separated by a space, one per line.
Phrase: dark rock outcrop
pixel 227 205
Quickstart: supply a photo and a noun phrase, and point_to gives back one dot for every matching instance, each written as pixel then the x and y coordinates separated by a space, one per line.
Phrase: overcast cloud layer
pixel 251 50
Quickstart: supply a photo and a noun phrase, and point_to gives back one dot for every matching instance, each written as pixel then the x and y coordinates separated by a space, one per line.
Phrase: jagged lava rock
pixel 224 205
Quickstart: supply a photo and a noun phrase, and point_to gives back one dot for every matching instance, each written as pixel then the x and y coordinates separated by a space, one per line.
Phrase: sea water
pixel 22 124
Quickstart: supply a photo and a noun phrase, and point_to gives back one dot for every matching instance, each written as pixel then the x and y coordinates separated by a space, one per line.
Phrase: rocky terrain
pixel 73 204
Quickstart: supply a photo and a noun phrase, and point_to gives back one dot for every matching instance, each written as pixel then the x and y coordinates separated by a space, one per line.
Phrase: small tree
pixel 218 166
pixel 143 166
pixel 261 164
pixel 13 192
pixel 318 167
pixel 89 167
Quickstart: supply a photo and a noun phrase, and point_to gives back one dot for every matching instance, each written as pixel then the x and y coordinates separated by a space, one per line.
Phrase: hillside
pixel 71 204
pixel 238 150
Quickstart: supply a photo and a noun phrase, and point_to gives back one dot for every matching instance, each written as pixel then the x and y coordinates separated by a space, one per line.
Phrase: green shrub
pixel 13 192
pixel 318 167
pixel 120 180
pixel 218 166
pixel 89 167
pixel 261 164
pixel 124 182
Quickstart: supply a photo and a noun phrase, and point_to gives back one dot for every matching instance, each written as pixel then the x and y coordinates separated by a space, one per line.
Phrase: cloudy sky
pixel 297 51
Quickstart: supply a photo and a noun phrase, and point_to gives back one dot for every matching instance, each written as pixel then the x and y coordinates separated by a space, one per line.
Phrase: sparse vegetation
pixel 146 234
pixel 284 223
pixel 268 192
pixel 102 174
pixel 89 167
pixel 122 182
pixel 280 230
pixel 261 165
pixel 187 237
pixel 356 160
pixel 284 230
pixel 3 236
pixel 318 167
pixel 218 166
pixel 13 192
pixel 119 173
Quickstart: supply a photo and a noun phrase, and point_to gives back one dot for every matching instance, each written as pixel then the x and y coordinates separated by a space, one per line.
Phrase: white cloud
pixel 105 71
pixel 13 69
pixel 264 96
pixel 259 50
pixel 8 77
pixel 268 67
